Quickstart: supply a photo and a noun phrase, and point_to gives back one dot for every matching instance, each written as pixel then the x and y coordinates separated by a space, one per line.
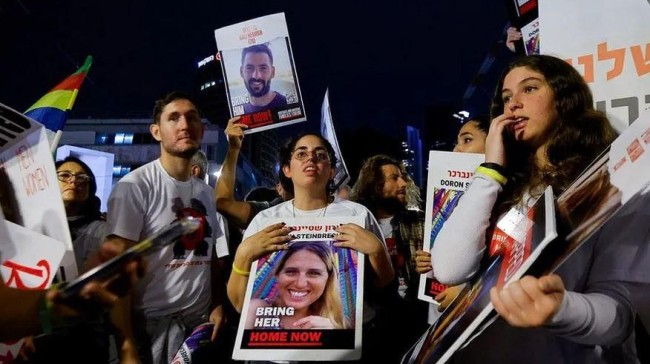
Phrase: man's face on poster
pixel 257 72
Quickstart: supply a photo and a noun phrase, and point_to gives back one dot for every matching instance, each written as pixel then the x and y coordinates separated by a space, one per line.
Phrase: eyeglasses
pixel 304 155
pixel 67 177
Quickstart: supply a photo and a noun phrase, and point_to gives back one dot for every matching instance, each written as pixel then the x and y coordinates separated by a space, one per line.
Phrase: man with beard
pixel 257 70
pixel 181 287
pixel 382 187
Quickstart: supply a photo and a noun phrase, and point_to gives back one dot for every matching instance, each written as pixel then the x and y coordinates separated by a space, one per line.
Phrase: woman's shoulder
pixel 352 207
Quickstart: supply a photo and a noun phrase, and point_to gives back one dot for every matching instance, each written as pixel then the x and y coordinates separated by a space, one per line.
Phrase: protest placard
pixel 305 302
pixel 259 73
pixel 449 176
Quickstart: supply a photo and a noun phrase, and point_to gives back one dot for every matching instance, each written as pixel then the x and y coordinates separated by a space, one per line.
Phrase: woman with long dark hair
pixel 544 132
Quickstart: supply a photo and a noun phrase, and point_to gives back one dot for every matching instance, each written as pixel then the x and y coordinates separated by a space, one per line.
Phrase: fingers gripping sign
pixel 529 302
pixel 270 239
pixel 355 237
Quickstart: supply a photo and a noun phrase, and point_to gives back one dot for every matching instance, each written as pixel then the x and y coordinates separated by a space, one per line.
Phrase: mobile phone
pixel 166 236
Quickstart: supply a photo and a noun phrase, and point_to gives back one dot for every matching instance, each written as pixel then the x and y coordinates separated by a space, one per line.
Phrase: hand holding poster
pixel 529 234
pixel 305 302
pixel 449 176
pixel 259 73
pixel 614 186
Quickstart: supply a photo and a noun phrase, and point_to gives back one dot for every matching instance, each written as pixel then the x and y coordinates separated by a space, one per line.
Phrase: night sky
pixel 385 62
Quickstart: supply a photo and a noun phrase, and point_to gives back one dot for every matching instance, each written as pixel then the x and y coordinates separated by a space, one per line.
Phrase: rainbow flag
pixel 51 110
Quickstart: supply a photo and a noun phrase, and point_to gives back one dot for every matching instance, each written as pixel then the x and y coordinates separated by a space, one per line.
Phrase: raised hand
pixel 530 301
pixel 495 150
pixel 235 132
pixel 512 35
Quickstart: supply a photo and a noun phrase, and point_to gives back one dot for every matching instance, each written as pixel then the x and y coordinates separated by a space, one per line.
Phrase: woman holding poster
pixel 309 296
pixel 307 169
pixel 544 131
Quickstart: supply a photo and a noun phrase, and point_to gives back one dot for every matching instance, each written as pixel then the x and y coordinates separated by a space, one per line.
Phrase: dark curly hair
pixel 369 186
pixel 578 136
pixel 284 157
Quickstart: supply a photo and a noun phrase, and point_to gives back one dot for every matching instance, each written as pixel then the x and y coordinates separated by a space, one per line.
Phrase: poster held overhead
pixel 259 73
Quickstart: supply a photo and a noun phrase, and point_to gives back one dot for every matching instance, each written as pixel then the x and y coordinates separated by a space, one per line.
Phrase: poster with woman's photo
pixel 449 176
pixel 304 302
pixel 259 73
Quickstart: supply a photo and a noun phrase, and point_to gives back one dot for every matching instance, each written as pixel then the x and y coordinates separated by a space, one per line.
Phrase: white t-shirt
pixel 178 275
pixel 338 208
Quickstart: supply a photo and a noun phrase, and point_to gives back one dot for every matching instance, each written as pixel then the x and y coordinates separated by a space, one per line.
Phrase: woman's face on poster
pixel 302 280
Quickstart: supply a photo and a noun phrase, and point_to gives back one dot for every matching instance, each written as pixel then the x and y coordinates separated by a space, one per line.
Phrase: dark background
pixel 387 64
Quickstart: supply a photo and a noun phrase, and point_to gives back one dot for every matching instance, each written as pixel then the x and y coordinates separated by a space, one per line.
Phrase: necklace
pixel 322 212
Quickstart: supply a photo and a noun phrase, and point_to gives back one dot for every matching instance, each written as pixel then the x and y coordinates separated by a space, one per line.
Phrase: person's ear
pixel 241 71
pixel 286 170
pixel 272 71
pixel 154 129
pixel 202 132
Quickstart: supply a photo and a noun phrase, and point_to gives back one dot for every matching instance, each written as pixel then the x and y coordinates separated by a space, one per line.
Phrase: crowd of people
pixel 543 131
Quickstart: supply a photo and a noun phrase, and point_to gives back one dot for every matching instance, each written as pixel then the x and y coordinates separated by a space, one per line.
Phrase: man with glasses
pixel 181 289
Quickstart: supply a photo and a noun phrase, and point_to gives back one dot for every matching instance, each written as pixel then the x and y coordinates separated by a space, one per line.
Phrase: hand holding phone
pixel 69 292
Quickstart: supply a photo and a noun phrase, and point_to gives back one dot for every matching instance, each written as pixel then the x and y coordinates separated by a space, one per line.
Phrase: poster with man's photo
pixel 449 175
pixel 304 302
pixel 260 73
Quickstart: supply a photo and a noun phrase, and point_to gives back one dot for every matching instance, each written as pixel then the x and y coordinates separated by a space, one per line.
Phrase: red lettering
pixel 14 277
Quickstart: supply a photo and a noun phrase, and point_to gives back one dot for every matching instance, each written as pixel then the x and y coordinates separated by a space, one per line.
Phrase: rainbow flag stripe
pixel 51 109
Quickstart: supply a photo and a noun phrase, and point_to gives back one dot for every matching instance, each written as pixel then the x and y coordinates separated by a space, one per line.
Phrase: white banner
pixel 609 44
pixel 29 189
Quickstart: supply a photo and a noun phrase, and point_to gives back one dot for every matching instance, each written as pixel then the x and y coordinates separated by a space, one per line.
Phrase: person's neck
pixel 382 213
pixel 262 100
pixel 72 209
pixel 307 200
pixel 387 207
pixel 177 167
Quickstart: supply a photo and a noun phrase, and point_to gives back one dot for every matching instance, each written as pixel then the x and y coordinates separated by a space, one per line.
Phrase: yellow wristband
pixel 492 174
pixel 241 272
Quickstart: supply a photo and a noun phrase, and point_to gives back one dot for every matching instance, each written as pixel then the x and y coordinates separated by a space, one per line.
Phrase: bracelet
pixel 495 175
pixel 241 272
pixel 497 167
